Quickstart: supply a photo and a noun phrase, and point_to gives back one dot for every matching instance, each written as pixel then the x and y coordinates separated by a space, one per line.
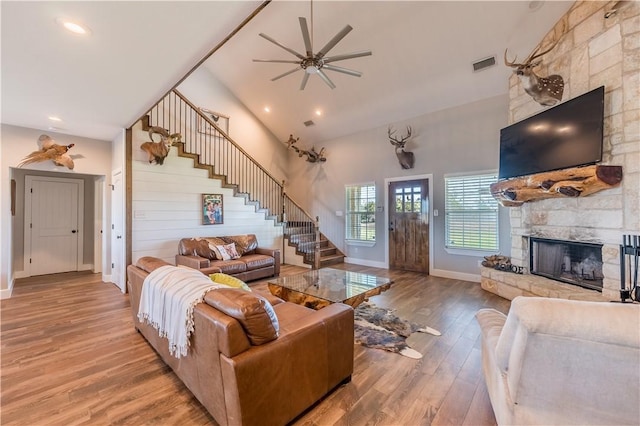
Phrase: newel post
pixel 316 251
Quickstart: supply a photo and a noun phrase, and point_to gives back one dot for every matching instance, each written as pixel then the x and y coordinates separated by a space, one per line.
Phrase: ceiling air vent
pixel 484 63
pixel 309 123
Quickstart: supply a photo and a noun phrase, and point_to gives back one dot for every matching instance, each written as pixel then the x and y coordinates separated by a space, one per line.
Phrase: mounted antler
pixel 159 150
pixel 405 158
pixel 544 90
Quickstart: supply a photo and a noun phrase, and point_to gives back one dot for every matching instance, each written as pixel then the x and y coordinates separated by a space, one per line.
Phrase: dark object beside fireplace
pixel 571 262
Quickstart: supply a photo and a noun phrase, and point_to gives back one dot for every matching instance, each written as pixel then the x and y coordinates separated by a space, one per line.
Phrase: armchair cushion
pixel 253 311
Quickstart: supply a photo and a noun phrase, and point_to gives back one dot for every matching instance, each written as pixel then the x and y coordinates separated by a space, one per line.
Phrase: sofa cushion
pixel 257 261
pixel 253 312
pixel 230 281
pixel 230 267
pixel 150 263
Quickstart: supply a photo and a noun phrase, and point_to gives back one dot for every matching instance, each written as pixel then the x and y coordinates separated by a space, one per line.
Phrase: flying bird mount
pixel 315 63
pixel 49 150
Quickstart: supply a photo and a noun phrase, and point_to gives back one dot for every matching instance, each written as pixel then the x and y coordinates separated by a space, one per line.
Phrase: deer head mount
pixel 544 90
pixel 405 158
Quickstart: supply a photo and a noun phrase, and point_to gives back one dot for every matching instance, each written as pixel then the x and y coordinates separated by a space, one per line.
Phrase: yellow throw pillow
pixel 229 281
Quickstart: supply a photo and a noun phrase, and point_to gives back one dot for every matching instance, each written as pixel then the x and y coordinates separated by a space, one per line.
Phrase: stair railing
pixel 302 229
pixel 202 136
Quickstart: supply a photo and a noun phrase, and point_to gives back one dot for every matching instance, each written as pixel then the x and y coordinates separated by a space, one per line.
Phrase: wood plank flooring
pixel 70 355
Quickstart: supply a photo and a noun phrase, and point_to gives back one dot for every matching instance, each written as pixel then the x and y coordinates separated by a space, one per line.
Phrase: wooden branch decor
pixel 573 182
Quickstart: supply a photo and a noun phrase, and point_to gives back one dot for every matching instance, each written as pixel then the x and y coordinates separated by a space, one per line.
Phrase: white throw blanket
pixel 168 297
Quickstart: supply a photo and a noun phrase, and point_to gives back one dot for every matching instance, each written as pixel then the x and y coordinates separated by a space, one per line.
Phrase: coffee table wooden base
pixel 317 303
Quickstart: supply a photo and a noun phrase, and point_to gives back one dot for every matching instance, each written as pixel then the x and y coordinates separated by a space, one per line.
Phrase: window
pixel 361 212
pixel 471 213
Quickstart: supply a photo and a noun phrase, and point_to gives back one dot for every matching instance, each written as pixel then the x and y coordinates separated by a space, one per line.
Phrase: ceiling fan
pixel 315 63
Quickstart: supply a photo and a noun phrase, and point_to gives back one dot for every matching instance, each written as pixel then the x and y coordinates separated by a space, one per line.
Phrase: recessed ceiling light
pixel 74 27
pixel 267 109
pixel 535 5
pixel 54 118
pixel 318 112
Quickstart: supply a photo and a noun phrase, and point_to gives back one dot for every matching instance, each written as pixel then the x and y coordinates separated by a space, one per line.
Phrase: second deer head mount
pixel 544 90
pixel 405 158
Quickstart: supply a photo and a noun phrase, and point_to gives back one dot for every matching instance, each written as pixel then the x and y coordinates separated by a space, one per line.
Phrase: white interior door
pixel 54 222
pixel 117 231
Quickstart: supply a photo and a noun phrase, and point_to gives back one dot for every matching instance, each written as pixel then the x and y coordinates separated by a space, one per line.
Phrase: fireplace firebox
pixel 571 262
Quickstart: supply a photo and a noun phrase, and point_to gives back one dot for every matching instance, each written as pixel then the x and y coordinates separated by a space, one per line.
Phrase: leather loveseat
pixel 562 362
pixel 253 262
pixel 244 382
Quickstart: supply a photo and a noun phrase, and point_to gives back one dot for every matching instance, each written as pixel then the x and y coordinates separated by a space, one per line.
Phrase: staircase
pixel 298 235
pixel 215 151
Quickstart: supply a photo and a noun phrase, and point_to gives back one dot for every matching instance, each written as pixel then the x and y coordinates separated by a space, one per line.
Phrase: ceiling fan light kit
pixel 315 63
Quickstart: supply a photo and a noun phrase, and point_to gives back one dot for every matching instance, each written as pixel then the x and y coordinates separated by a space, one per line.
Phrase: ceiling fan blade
pixel 335 40
pixel 326 79
pixel 305 36
pixel 343 70
pixel 285 74
pixel 293 52
pixel 347 56
pixel 304 81
pixel 280 61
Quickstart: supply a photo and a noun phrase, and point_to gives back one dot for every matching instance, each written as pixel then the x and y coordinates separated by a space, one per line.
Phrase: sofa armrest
pixel 275 253
pixel 318 354
pixel 192 261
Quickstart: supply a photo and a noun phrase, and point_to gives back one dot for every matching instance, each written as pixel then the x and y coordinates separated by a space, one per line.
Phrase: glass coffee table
pixel 322 287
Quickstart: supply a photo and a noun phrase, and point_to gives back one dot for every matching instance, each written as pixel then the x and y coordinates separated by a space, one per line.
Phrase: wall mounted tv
pixel 567 135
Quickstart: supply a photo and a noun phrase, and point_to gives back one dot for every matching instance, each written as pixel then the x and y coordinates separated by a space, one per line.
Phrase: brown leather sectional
pixel 254 262
pixel 240 379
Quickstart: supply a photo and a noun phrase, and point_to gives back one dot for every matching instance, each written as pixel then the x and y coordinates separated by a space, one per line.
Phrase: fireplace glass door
pixel 572 262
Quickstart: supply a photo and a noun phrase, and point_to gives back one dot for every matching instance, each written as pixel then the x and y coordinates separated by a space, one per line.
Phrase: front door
pixel 53 220
pixel 409 225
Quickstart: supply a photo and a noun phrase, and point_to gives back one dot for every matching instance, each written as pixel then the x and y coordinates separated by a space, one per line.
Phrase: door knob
pixel 119 236
pixel 73 231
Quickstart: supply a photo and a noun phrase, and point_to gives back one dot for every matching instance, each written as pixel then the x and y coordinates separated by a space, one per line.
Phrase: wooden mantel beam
pixel 574 182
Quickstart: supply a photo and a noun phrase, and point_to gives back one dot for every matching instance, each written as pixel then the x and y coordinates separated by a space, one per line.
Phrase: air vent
pixel 309 123
pixel 484 63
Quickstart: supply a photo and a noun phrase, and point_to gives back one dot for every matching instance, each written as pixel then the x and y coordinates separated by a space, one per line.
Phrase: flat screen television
pixel 567 135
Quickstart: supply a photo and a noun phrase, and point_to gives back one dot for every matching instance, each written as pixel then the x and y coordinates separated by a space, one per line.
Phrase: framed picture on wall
pixel 212 211
pixel 221 120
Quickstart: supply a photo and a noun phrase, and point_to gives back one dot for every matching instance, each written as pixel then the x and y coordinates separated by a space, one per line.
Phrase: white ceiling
pixel 421 62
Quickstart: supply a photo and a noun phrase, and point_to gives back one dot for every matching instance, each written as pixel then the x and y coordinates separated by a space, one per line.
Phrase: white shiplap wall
pixel 166 203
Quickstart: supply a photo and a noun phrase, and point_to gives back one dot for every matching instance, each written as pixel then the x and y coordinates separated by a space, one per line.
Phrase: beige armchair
pixel 560 362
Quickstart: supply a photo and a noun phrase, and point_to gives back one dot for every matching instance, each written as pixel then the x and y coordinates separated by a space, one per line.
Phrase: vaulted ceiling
pixel 422 59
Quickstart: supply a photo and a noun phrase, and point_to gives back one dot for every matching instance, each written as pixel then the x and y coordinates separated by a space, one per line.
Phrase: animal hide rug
pixel 380 328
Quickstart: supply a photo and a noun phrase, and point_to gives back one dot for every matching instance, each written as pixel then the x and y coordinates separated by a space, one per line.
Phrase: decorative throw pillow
pixel 254 312
pixel 228 280
pixel 223 252
pixel 231 250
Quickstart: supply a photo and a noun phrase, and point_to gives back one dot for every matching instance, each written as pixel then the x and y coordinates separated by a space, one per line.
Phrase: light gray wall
pixel 456 140
pixel 92 160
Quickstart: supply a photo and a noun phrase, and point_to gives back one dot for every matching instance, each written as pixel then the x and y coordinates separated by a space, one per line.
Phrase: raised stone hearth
pixel 510 285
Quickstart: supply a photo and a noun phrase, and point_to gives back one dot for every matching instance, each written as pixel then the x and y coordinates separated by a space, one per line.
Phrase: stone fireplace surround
pixel 595 51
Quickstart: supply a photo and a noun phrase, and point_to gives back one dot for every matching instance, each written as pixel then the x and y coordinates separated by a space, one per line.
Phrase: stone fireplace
pixel 592 53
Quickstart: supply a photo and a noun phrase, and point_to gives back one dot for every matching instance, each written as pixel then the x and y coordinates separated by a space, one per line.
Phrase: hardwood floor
pixel 70 355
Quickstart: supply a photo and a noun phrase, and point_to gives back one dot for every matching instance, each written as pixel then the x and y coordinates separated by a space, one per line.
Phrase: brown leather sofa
pixel 241 383
pixel 254 262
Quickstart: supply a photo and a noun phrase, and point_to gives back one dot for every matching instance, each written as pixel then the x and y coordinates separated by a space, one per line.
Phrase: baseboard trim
pixel 20 274
pixel 6 293
pixel 443 273
pixel 364 262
